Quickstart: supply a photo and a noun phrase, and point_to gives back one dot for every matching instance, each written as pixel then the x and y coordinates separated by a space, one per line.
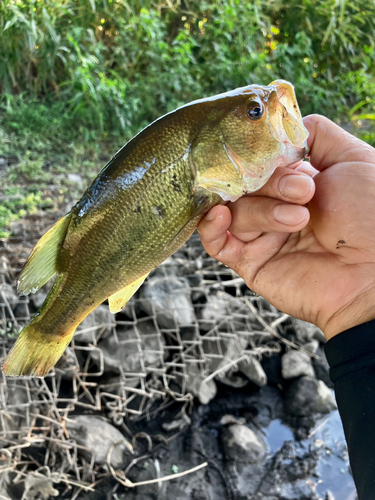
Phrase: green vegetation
pixel 78 78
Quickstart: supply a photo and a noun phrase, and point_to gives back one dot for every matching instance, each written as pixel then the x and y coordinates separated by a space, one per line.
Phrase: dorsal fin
pixel 42 262
pixel 118 300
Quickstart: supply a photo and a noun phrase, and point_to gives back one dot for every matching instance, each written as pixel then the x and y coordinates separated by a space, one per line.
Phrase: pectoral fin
pixel 118 300
pixel 42 262
pixel 204 201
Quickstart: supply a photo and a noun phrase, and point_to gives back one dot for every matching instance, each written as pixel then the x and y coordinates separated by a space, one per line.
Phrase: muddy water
pixel 333 467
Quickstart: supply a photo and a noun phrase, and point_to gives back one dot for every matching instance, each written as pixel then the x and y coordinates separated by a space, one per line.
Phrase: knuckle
pixel 258 214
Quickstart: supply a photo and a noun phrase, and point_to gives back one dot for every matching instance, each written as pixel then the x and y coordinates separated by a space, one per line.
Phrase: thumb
pixel 330 144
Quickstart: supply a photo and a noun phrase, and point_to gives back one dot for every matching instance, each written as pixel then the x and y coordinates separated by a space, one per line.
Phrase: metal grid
pixel 129 366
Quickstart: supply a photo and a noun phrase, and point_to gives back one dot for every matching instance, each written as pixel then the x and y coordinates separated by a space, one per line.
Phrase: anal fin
pixel 42 262
pixel 118 300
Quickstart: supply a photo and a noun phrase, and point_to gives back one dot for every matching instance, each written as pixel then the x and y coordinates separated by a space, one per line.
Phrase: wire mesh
pixel 190 321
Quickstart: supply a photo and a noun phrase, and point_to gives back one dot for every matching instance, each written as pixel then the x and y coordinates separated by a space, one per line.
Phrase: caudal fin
pixel 35 353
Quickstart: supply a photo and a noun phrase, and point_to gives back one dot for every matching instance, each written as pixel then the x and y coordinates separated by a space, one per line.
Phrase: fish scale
pixel 120 264
pixel 146 202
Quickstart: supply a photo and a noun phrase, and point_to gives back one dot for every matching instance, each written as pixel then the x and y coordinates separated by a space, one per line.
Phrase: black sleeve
pixel 351 356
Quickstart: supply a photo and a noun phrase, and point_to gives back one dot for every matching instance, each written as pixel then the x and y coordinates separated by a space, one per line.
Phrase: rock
pixel 219 305
pixel 272 367
pixel 232 350
pixel 17 392
pixel 307 331
pixel 244 480
pixel 198 295
pixel 99 322
pixel 195 280
pixel 319 336
pixel 38 486
pixel 329 496
pixel 231 419
pixel 8 426
pixel 68 364
pixel 297 490
pixel 170 268
pixel 18 229
pixel 75 178
pixel 312 346
pixel 253 370
pixel 38 299
pixel 296 364
pixel 321 368
pixel 267 404
pixel 133 349
pixel 10 295
pixel 97 435
pixel 242 444
pixel 307 396
pixel 232 380
pixel 204 391
pixel 170 298
pixel 16 397
pixel 287 479
pixel 5 495
pixel 21 311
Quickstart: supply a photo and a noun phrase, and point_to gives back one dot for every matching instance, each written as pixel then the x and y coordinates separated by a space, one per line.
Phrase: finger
pixel 330 144
pixel 261 214
pixel 216 239
pixel 213 228
pixel 257 253
pixel 245 258
pixel 306 168
pixel 296 166
pixel 288 184
pixel 248 258
pixel 231 253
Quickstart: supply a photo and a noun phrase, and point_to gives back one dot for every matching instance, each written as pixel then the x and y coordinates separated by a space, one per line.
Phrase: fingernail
pixel 211 215
pixel 295 186
pixel 290 215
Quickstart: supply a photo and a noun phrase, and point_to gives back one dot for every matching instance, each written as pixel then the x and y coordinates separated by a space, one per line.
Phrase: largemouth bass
pixel 145 204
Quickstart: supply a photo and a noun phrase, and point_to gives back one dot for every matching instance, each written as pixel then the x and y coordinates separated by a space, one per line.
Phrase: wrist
pixel 360 310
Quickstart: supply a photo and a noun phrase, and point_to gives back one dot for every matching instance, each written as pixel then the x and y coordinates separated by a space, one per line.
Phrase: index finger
pixel 330 144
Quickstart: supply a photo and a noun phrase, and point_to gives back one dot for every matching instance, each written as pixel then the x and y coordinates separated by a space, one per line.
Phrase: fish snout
pixel 294 154
pixel 285 116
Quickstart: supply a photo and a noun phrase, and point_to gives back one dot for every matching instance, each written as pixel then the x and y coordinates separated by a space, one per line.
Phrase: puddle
pixel 333 467
pixel 277 433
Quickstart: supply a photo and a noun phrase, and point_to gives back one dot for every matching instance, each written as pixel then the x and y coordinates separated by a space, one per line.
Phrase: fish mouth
pixel 295 154
pixel 285 116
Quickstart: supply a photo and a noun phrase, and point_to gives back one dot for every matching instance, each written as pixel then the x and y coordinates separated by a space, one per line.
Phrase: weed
pixel 80 78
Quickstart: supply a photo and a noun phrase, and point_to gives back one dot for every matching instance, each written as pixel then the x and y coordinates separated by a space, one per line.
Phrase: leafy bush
pixel 79 77
pixel 112 65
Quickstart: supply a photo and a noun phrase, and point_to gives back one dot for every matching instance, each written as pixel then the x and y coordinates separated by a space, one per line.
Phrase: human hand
pixel 316 262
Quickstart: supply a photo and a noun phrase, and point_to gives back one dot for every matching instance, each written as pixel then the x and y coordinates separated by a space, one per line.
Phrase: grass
pixel 80 78
pixel 42 146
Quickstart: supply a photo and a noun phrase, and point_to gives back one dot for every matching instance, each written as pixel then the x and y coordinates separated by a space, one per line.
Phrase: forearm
pixel 351 356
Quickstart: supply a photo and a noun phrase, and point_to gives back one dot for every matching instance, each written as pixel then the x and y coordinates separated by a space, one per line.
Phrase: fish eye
pixel 255 110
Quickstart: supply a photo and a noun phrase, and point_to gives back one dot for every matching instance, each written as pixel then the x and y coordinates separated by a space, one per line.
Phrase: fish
pixel 144 205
